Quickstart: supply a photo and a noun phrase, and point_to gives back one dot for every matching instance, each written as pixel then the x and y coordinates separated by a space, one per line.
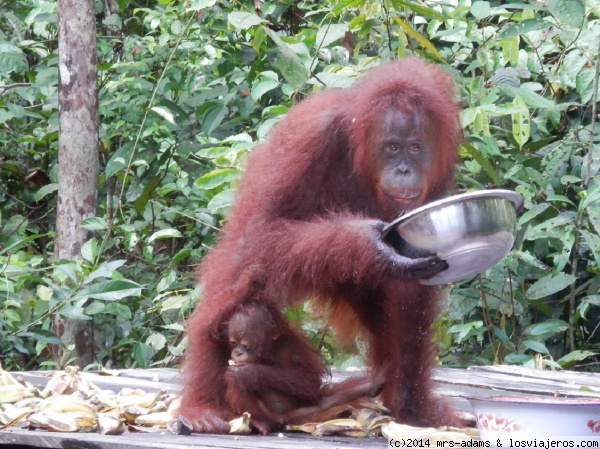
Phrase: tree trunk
pixel 78 157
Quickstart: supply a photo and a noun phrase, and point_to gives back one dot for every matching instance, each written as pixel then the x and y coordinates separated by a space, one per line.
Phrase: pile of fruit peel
pixel 72 403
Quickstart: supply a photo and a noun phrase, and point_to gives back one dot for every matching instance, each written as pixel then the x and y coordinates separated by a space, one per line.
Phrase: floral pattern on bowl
pixel 499 417
pixel 496 423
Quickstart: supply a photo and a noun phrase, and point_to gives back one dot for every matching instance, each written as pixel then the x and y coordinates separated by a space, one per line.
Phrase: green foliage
pixel 530 126
pixel 187 89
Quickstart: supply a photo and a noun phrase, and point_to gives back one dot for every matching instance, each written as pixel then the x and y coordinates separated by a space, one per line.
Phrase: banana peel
pixel 62 422
pixel 110 424
pixel 338 426
pixel 397 431
pixel 241 425
pixel 9 394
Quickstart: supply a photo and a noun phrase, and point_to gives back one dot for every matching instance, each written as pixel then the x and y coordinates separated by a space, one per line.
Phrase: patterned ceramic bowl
pixel 502 418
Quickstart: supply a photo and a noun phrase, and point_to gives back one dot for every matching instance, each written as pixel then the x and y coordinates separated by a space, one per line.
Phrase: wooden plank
pixel 488 380
pixel 128 378
pixel 150 380
pixel 152 374
pixel 454 384
pixel 498 381
pixel 164 440
pixel 591 380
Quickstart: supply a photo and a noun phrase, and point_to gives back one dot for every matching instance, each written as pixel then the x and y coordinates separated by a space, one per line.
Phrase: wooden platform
pixel 455 384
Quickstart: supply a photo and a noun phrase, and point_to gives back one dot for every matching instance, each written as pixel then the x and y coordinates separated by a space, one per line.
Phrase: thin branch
pixel 186 216
pixel 593 124
pixel 388 26
pixel 6 87
pixel 489 324
pixel 580 213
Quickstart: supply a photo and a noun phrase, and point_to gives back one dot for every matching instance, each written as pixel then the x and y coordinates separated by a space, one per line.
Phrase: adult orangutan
pixel 308 218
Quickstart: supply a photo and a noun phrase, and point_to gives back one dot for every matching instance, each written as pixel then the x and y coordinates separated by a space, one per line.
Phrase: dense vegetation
pixel 187 88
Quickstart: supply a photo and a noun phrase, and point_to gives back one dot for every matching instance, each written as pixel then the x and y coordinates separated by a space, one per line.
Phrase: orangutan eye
pixel 414 149
pixel 393 148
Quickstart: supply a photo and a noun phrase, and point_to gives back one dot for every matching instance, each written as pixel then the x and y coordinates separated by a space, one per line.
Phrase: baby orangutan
pixel 275 375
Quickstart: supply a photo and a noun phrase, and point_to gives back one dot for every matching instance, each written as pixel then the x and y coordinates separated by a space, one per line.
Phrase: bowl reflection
pixel 471 232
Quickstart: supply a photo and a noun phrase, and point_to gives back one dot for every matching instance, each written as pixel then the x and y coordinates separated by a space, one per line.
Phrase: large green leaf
pixel 173 302
pixel 94 224
pixel 533 99
pixel 329 33
pixel 480 9
pixel 422 40
pixel 221 202
pixel 21 242
pixel 549 285
pixel 533 212
pixel 74 312
pixel 342 5
pixel 164 113
pixel 165 234
pixel 44 191
pixel 262 87
pixel 142 354
pixel 197 5
pixel 119 159
pixel 584 83
pixel 288 62
pixel 535 346
pixel 570 12
pixel 213 118
pixel 217 178
pixel 12 58
pixel 547 327
pixel 419 9
pixel 575 356
pixel 521 127
pixel 516 29
pixel 244 20
pixel 110 290
pixel 104 271
pixel 43 335
pixel 141 198
pixel 480 158
pixel 89 250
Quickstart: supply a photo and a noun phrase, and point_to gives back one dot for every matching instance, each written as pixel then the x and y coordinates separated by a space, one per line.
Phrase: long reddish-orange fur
pixel 294 221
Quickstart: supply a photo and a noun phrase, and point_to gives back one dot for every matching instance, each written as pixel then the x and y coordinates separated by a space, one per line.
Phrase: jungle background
pixel 187 88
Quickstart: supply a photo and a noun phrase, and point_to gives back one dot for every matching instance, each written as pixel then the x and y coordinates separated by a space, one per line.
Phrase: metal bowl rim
pixel 532 400
pixel 513 197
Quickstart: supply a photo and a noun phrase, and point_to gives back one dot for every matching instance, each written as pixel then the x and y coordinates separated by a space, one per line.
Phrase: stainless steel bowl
pixel 471 232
